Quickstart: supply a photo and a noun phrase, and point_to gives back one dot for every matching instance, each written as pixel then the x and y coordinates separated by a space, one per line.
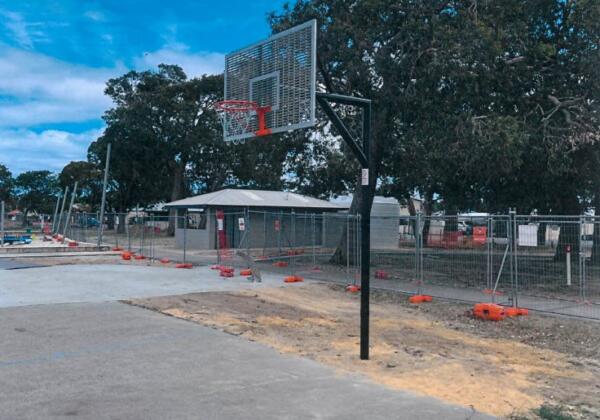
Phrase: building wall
pixel 298 229
pixel 194 238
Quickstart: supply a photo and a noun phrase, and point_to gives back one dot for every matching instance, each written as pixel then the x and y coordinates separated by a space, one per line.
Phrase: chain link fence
pixel 544 263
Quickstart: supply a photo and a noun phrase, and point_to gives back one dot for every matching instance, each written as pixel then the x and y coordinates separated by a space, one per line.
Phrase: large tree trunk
pixel 595 260
pixel 569 234
pixel 451 220
pixel 428 208
pixel 176 194
pixel 110 221
pixel 24 222
pixel 122 217
pixel 122 222
pixel 343 252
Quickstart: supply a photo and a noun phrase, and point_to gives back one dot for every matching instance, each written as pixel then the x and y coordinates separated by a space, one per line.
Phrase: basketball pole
pixel 362 154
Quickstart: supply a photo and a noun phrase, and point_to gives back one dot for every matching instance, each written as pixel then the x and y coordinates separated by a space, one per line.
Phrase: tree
pixel 89 181
pixel 36 191
pixel 479 105
pixel 6 183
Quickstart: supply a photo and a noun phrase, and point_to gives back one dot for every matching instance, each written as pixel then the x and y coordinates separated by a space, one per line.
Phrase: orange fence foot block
pixel 126 256
pixel 165 261
pixel 293 279
pixel 489 311
pixel 117 248
pixel 140 257
pixel 183 265
pixel 246 272
pixel 73 244
pixel 490 291
pixel 226 274
pixel 420 299
pixel 280 264
pixel 512 312
pixel 380 274
pixel 353 288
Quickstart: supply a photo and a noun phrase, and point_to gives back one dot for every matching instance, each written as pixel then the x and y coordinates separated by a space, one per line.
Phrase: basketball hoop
pixel 239 117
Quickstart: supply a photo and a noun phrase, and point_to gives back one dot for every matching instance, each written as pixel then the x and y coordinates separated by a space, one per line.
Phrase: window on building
pixel 195 220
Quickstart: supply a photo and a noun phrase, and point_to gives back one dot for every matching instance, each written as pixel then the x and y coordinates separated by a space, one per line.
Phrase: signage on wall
pixel 220 218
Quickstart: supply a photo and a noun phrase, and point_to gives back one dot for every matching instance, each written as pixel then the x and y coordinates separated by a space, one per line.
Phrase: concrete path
pixel 103 282
pixel 113 361
pixel 68 350
pixel 14 264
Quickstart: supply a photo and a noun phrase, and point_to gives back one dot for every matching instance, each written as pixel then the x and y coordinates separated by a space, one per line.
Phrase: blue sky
pixel 56 55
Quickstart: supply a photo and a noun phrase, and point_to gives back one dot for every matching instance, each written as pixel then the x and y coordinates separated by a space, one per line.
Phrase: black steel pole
pixel 362 154
pixel 365 240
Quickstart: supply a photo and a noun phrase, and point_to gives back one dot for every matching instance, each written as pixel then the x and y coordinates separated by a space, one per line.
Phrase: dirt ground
pixel 506 368
pixel 93 259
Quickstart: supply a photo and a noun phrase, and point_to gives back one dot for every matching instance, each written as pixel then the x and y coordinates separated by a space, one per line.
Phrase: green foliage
pixel 89 181
pixel 552 412
pixel 484 105
pixel 6 183
pixel 161 124
pixel 36 191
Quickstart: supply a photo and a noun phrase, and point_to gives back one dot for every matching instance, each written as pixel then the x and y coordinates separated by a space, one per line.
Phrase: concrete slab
pixel 103 282
pixel 64 254
pixel 113 361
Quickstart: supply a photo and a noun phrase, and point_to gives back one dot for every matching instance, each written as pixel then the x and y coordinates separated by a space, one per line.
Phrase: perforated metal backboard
pixel 279 75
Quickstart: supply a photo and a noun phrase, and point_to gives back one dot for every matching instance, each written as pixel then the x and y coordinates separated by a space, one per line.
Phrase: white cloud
pixel 24 33
pixel 36 89
pixel 95 15
pixel 43 89
pixel 23 150
pixel 194 64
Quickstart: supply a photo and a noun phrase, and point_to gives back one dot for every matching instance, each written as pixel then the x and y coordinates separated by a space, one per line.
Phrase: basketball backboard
pixel 270 85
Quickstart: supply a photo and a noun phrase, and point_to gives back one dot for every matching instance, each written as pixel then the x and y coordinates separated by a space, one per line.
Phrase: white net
pixel 237 118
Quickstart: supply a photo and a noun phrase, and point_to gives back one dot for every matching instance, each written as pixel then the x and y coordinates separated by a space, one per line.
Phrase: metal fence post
pixel 489 254
pixel 293 243
pixel 248 232
pixel 348 218
pixel 62 209
pixel 264 252
pixel 581 231
pixel 68 220
pixel 103 203
pixel 126 222
pixel 55 213
pixel 419 252
pixel 185 217
pixel 2 223
pixel 513 260
pixel 314 238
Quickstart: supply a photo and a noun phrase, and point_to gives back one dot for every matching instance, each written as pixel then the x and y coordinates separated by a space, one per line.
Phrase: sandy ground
pixel 506 369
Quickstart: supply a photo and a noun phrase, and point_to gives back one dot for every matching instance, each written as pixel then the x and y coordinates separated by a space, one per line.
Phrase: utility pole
pixel 103 204
pixel 62 209
pixel 68 221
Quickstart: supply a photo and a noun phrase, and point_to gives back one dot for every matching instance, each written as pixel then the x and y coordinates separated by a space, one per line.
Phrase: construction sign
pixel 241 224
